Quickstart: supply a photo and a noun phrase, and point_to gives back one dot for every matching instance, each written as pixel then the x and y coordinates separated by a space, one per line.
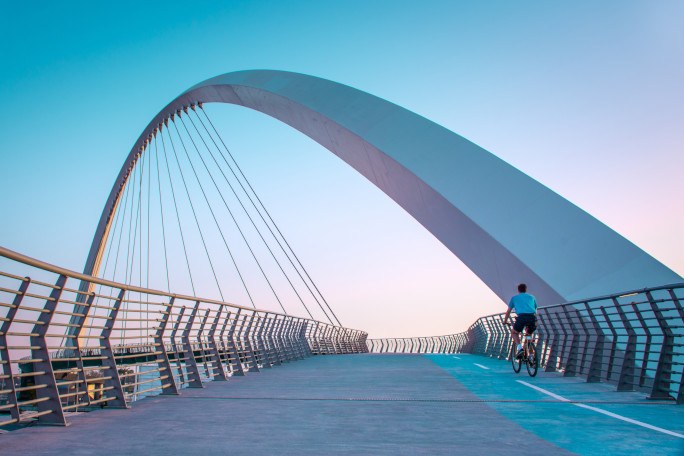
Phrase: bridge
pixel 116 358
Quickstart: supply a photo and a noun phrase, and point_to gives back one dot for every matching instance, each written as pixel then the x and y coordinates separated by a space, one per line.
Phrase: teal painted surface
pixel 576 429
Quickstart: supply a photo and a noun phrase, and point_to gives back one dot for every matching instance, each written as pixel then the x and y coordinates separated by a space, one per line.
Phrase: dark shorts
pixel 525 320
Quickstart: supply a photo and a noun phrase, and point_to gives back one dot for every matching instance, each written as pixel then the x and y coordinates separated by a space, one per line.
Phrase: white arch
pixel 505 226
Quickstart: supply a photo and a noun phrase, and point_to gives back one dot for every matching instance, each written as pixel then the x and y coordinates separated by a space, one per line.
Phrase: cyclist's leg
pixel 517 328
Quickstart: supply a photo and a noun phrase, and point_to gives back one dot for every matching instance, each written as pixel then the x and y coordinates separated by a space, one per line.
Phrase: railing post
pixel 232 345
pixel 285 343
pixel 261 342
pixel 296 338
pixel 170 388
pixel 248 345
pixel 224 354
pixel 613 343
pixel 178 354
pixel 571 360
pixel 268 336
pixel 294 351
pixel 190 361
pixel 647 343
pixel 73 341
pixel 219 372
pixel 680 310
pixel 282 355
pixel 6 361
pixel 663 376
pixel 273 342
pixel 302 338
pixel 627 380
pixel 552 361
pixel 202 343
pixel 596 362
pixel 113 383
pixel 584 338
pixel 49 410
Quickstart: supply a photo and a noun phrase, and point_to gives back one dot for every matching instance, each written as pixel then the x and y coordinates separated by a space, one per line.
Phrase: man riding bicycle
pixel 525 306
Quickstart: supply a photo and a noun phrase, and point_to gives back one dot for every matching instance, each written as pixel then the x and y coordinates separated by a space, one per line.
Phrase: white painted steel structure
pixel 505 226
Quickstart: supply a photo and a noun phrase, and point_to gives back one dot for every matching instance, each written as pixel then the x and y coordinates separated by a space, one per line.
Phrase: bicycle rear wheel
pixel 532 360
pixel 515 362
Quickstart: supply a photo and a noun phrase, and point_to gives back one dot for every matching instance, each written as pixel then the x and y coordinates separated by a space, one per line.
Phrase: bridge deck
pixel 374 404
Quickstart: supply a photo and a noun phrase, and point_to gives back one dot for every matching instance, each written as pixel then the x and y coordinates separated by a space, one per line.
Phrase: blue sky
pixel 585 97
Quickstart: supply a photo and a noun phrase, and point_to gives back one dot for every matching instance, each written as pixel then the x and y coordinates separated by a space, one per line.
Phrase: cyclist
pixel 525 306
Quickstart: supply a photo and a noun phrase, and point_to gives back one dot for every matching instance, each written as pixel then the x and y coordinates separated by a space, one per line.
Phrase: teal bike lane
pixel 584 418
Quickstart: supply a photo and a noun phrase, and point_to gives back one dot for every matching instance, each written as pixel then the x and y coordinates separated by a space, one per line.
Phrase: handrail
pixel 633 339
pixel 64 350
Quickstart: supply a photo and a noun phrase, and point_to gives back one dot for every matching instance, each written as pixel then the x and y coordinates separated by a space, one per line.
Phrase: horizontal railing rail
pixel 633 339
pixel 63 350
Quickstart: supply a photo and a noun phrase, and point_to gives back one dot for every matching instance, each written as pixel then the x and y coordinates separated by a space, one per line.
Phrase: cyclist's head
pixel 522 288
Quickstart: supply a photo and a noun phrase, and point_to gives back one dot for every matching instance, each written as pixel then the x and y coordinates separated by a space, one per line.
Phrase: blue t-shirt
pixel 523 303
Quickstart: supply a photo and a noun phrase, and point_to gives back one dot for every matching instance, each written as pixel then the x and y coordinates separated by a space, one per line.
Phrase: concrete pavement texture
pixel 372 404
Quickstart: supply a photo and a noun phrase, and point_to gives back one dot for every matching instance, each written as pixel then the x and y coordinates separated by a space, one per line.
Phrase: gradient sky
pixel 586 97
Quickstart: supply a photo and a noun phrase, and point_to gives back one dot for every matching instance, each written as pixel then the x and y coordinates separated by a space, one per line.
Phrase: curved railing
pixel 129 342
pixel 633 339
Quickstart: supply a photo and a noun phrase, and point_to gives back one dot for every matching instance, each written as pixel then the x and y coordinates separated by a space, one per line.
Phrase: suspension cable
pixel 161 213
pixel 192 207
pixel 175 205
pixel 241 204
pixel 218 226
pixel 111 237
pixel 263 207
pixel 244 238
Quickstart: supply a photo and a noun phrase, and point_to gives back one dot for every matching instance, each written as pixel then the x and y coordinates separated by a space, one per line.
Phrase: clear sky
pixel 586 97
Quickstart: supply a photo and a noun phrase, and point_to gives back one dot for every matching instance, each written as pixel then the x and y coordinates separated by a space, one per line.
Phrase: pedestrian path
pixel 373 404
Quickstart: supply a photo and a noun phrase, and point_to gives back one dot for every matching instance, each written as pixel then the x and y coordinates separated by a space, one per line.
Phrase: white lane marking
pixel 605 412
pixel 480 365
pixel 456 357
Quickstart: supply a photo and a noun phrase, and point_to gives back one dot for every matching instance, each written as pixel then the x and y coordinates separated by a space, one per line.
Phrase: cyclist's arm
pixel 508 315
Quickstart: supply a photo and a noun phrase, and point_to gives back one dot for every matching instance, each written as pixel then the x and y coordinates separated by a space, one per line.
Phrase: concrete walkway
pixel 373 404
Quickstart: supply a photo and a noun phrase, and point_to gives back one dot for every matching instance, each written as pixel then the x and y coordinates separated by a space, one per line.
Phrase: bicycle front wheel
pixel 532 360
pixel 517 363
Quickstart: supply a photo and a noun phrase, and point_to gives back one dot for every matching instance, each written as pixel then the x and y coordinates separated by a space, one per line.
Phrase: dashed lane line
pixel 481 366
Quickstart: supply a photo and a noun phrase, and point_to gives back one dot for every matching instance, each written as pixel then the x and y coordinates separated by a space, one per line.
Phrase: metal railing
pixel 62 350
pixel 633 339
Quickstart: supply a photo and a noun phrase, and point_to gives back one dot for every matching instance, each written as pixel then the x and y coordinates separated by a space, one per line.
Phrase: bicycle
pixel 530 355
